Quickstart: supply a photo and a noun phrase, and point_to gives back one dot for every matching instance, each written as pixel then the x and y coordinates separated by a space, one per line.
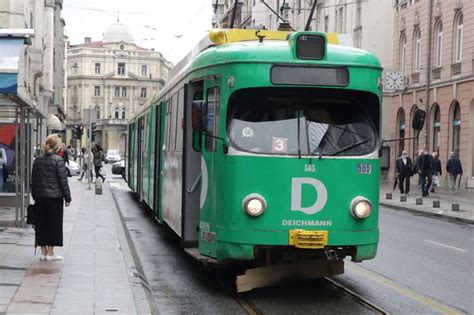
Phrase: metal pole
pixel 90 150
pixel 28 154
pixel 428 72
pixel 308 24
pixel 17 168
pixel 22 166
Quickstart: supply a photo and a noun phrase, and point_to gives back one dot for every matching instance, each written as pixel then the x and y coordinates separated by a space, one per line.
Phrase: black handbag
pixel 30 215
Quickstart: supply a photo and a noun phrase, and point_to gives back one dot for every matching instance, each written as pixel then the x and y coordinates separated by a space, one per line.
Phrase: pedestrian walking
pixel 424 165
pixel 437 172
pixel 404 169
pixel 62 152
pixel 87 158
pixel 49 189
pixel 3 167
pixel 98 157
pixel 453 168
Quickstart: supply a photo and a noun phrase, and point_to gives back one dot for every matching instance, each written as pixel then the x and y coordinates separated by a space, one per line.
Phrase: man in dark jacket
pixel 454 168
pixel 404 168
pixel 424 165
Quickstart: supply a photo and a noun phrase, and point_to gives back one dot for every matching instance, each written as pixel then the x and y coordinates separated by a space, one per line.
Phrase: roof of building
pixel 118 32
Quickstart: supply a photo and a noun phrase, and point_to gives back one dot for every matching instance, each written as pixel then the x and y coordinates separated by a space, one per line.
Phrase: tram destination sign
pixel 307 75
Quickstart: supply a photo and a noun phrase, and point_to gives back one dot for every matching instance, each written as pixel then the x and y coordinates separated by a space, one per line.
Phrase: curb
pixel 144 300
pixel 427 213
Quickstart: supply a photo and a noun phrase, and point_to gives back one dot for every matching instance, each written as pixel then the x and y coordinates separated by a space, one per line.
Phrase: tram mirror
pixel 196 113
pixel 418 120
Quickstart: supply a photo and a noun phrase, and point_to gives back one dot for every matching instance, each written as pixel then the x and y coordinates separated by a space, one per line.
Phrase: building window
pixel 75 67
pixel 121 68
pixel 213 109
pixel 97 68
pixel 97 112
pixel 458 38
pixel 401 130
pixel 298 6
pixel 326 23
pixel 438 44
pixel 436 127
pixel 144 70
pixel 403 53
pixel 143 92
pixel 417 52
pixel 124 91
pixel 96 90
pixel 117 91
pixel 117 113
pixel 456 125
pixel 340 20
pixel 74 90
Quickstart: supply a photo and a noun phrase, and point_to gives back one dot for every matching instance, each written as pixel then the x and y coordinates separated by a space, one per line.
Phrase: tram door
pixel 140 144
pixel 191 171
pixel 157 162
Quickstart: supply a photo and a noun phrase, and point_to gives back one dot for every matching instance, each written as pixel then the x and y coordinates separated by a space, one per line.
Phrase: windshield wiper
pixel 351 146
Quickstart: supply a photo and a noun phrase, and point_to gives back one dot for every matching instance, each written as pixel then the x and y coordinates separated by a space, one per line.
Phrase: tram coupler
pixel 331 254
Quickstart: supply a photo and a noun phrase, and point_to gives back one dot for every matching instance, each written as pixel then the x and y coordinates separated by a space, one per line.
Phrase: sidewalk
pixel 97 274
pixel 464 197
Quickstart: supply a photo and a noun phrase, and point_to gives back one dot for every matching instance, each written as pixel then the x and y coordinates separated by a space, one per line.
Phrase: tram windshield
pixel 303 121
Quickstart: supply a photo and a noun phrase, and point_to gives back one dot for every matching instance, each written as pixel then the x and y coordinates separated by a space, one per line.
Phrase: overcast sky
pixel 172 27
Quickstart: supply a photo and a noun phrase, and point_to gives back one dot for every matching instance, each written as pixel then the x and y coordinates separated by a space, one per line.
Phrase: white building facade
pixel 115 77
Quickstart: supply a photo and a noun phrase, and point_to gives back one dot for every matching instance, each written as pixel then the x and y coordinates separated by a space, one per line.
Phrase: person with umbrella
pixel 404 169
pixel 454 168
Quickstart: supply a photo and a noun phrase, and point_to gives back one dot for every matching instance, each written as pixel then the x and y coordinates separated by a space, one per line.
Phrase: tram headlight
pixel 254 205
pixel 361 207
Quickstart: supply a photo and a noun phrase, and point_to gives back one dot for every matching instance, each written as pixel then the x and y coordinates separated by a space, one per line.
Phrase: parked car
pixel 112 156
pixel 73 168
pixel 118 168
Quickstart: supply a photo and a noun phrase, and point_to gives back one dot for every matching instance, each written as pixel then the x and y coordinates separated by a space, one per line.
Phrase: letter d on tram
pixel 321 195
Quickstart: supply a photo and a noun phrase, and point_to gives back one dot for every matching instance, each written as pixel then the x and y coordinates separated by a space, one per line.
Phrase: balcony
pixel 112 121
pixel 436 73
pixel 456 68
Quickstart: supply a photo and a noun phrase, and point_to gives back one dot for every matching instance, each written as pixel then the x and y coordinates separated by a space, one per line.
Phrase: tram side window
pixel 167 125
pixel 212 121
pixel 174 114
pixel 180 121
pixel 197 137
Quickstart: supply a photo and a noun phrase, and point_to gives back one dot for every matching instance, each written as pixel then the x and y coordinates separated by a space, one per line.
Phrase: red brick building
pixel 435 55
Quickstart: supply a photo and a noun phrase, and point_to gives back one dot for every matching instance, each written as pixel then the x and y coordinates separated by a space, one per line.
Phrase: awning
pixel 54 123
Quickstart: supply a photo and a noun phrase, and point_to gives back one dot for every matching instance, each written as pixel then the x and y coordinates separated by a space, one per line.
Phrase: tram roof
pixel 240 47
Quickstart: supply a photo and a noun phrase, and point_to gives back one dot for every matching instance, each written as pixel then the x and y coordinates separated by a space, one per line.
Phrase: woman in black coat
pixel 49 188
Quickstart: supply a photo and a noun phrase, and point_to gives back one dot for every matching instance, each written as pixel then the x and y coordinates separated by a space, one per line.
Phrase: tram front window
pixel 294 121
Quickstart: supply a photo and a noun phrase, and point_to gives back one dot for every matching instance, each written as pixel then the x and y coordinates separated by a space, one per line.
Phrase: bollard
pixel 455 207
pixel 98 187
pixel 419 201
pixel 403 198
pixel 436 204
pixel 388 196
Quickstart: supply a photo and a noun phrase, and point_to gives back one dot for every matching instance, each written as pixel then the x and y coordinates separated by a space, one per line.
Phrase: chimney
pixel 87 39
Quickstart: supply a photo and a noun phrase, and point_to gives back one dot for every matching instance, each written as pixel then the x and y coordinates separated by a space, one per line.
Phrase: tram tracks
pixel 250 308
pixel 357 297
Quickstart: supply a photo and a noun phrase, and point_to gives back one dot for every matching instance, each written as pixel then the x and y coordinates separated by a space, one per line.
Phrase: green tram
pixel 263 148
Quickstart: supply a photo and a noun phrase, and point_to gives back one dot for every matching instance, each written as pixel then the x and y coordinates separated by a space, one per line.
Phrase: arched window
pixel 438 54
pixel 456 127
pixel 415 142
pixel 97 112
pixel 123 112
pixel 117 113
pixel 458 29
pixel 401 130
pixel 417 50
pixel 436 127
pixel 403 52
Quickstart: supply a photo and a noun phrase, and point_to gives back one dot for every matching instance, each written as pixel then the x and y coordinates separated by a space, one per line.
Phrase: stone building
pixel 115 77
pixel 433 48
